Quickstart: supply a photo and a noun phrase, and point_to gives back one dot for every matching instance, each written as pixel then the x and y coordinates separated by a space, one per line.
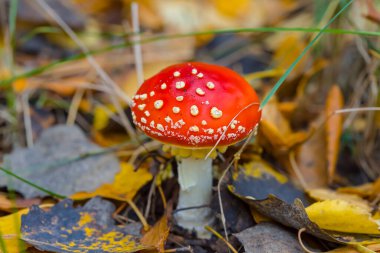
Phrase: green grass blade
pixel 53 194
pixel 12 28
pixel 307 48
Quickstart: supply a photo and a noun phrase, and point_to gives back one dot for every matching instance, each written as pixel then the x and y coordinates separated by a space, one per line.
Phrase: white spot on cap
pixel 158 104
pixel 160 127
pixel 216 113
pixel 141 107
pixel 194 71
pixel 199 91
pixel 176 74
pixel 200 75
pixel 180 85
pixel 194 129
pixel 209 131
pixel 210 85
pixel 179 98
pixel 163 86
pixel 143 120
pixel 147 113
pixel 137 97
pixel 204 122
pixel 143 96
pixel 233 126
pixel 168 119
pixel 152 124
pixel 194 110
pixel 176 109
pixel 152 93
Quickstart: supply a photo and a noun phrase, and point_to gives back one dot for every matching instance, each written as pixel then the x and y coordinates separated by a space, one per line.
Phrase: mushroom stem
pixel 195 180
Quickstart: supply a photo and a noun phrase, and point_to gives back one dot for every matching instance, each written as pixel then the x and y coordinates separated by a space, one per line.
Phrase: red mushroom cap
pixel 195 104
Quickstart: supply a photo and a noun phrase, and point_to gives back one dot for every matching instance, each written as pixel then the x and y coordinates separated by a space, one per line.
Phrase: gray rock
pixel 46 164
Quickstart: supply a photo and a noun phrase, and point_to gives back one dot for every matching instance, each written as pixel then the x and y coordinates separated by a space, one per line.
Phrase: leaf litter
pixel 295 176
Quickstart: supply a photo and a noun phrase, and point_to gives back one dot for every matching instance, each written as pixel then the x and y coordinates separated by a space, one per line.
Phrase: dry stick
pixel 74 106
pixel 301 242
pixel 150 195
pixel 236 157
pixel 116 90
pixel 139 214
pixel 221 237
pixel 27 119
pixel 137 46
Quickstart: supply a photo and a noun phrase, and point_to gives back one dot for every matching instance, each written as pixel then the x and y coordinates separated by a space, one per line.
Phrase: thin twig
pixel 229 245
pixel 139 214
pixel 137 46
pixel 236 157
pixel 74 106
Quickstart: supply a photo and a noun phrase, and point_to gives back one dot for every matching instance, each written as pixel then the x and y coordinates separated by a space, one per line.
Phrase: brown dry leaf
pixel 125 186
pixel 276 130
pixel 334 126
pixel 372 14
pixel 368 190
pixel 310 157
pixel 157 235
pixel 7 204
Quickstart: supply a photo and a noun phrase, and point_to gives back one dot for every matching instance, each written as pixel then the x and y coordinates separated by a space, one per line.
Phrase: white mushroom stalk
pixel 195 180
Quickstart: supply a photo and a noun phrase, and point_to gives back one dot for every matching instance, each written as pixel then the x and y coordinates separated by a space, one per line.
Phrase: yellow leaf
pixel 101 117
pixel 342 216
pixel 351 249
pixel 327 194
pixel 10 232
pixel 125 186
pixel 232 9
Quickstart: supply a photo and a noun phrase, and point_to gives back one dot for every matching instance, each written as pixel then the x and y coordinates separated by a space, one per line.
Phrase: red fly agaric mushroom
pixel 192 107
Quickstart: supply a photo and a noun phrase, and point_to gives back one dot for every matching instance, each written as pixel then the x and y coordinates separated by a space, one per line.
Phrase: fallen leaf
pixel 327 194
pixel 157 235
pixel 126 184
pixel 259 180
pixel 10 232
pixel 368 190
pixel 351 249
pixel 310 158
pixel 275 132
pixel 294 215
pixel 334 126
pixel 86 229
pixel 55 163
pixel 343 216
pixel 268 237
pixel 7 203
